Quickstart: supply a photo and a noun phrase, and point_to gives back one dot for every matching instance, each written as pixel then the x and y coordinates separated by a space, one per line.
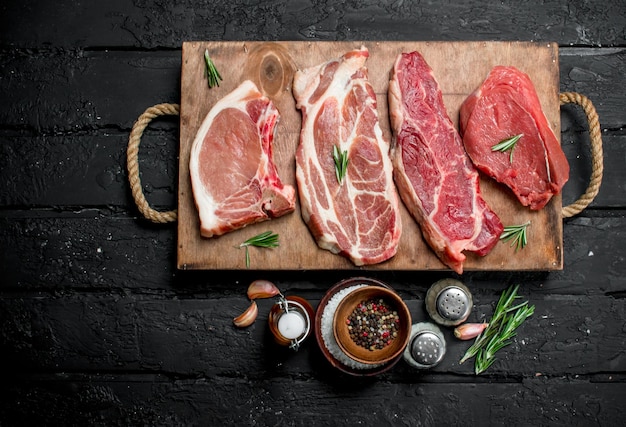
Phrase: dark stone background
pixel 100 328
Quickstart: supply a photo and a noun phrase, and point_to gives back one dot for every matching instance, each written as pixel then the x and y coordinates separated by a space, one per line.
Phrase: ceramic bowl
pixel 348 344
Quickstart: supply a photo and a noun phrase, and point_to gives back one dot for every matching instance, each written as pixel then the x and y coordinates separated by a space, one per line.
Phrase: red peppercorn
pixel 372 324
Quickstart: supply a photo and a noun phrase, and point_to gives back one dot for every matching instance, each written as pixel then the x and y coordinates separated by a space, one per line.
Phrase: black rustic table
pixel 99 327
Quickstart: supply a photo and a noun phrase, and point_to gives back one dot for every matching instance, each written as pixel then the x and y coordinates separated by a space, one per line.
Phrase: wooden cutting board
pixel 459 67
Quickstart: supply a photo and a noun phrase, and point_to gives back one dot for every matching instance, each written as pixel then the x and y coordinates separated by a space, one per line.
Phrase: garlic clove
pixel 467 331
pixel 262 289
pixel 248 317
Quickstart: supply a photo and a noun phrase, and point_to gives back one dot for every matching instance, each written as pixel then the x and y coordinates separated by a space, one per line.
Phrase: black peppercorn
pixel 373 324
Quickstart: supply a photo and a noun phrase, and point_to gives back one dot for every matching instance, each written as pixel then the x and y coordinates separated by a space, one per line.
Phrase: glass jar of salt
pixel 290 321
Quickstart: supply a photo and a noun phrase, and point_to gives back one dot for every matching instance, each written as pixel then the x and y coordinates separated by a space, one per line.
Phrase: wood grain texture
pixel 459 68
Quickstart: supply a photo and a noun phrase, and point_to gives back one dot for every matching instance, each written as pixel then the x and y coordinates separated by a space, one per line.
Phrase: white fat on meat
pixel 234 179
pixel 358 218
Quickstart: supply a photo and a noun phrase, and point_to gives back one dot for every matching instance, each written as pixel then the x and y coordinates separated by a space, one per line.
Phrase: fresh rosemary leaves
pixel 507 317
pixel 517 234
pixel 266 239
pixel 212 75
pixel 341 163
pixel 507 144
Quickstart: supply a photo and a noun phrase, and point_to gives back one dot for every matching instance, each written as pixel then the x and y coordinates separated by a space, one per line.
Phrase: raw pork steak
pixel 358 218
pixel 506 105
pixel 435 178
pixel 233 176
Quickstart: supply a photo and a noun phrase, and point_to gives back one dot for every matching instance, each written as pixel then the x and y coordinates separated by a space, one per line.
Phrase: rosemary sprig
pixel 507 144
pixel 506 318
pixel 516 233
pixel 266 239
pixel 213 76
pixel 341 163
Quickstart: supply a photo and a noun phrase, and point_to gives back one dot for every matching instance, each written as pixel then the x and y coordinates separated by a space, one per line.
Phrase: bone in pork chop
pixel 234 179
pixel 358 218
pixel 436 180
pixel 506 105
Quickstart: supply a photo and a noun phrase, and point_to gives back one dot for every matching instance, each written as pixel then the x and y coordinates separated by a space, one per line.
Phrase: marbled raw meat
pixel 436 180
pixel 358 218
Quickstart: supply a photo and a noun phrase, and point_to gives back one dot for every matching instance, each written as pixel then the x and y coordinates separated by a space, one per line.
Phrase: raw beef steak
pixel 358 218
pixel 506 105
pixel 233 176
pixel 435 178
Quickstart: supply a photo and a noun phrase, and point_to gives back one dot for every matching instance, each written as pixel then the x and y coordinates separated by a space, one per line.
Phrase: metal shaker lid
pixel 427 346
pixel 449 302
pixel 453 303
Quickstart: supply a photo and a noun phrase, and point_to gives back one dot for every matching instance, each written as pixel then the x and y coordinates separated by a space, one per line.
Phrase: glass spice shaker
pixel 290 321
pixel 449 302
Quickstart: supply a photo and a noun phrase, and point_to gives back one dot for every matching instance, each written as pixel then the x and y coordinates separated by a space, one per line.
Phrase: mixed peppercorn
pixel 373 324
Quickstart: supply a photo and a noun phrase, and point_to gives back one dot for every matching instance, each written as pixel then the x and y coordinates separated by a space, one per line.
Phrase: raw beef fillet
pixel 506 105
pixel 233 176
pixel 436 180
pixel 358 218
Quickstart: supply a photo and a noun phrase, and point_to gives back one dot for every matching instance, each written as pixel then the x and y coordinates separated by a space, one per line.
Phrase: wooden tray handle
pixel 174 110
pixel 132 161
pixel 597 161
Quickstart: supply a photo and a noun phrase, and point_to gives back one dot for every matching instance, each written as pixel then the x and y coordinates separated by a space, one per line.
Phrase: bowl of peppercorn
pixel 372 324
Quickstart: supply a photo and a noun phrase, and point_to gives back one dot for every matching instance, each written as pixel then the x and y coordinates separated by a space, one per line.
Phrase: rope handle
pixel 151 113
pixel 597 161
pixel 132 161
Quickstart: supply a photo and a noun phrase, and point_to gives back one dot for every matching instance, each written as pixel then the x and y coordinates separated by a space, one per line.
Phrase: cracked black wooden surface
pixel 98 326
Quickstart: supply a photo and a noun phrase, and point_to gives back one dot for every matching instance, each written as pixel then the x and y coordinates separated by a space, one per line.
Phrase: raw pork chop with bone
pixel 233 176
